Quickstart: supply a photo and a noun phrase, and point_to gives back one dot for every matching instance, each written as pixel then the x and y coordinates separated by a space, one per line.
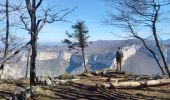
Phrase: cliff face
pixel 136 60
pixel 48 55
pixel 128 52
pixel 12 71
pixel 55 61
pixel 48 64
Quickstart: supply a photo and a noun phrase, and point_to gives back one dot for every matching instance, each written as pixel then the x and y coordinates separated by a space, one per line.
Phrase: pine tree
pixel 78 40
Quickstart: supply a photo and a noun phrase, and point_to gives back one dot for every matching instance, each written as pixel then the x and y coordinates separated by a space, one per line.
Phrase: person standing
pixel 119 57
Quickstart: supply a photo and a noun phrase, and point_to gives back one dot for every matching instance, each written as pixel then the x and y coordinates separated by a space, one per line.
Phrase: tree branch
pixel 146 46
pixel 54 17
pixel 38 4
pixel 14 53
pixel 28 5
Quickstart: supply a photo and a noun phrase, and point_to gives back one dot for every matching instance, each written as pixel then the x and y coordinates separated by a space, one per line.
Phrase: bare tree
pixel 7 32
pixel 80 39
pixel 13 43
pixel 37 21
pixel 8 40
pixel 133 15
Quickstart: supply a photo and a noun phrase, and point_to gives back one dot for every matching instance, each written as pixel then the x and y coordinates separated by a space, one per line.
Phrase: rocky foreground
pixel 85 86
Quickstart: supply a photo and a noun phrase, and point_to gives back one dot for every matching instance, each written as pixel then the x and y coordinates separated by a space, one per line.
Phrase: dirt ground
pixel 86 89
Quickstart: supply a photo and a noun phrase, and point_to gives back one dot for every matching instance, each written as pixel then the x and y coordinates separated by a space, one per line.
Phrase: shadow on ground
pixel 76 91
pixel 5 95
pixel 81 91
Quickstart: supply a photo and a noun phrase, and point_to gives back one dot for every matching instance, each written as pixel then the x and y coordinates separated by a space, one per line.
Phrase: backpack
pixel 119 54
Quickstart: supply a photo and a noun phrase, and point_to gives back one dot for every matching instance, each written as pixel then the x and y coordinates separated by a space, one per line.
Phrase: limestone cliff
pixel 100 55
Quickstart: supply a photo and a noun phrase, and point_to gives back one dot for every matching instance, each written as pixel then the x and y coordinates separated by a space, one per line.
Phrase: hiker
pixel 119 57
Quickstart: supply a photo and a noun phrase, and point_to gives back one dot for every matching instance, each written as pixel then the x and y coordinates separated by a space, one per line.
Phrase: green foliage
pixel 78 39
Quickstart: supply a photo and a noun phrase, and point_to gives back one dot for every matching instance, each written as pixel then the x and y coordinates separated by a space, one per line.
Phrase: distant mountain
pixel 166 42
pixel 50 43
pixel 54 60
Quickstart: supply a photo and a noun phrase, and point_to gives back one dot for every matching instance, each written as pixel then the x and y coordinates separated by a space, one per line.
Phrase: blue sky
pixel 93 12
pixel 90 11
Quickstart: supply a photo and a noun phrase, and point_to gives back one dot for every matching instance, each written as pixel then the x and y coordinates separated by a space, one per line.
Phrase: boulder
pixel 44 80
pixel 48 81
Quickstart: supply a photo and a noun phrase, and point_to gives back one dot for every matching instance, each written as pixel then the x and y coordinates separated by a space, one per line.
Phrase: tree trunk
pixel 160 50
pixel 7 35
pixel 155 16
pixel 34 50
pixel 154 32
pixel 135 84
pixel 31 8
pixel 84 62
pixel 153 54
pixel 146 46
pixel 28 59
pixel 32 64
pixel 7 29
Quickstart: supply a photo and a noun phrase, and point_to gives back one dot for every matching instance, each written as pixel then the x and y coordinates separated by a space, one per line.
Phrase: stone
pixel 19 94
pixel 48 81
